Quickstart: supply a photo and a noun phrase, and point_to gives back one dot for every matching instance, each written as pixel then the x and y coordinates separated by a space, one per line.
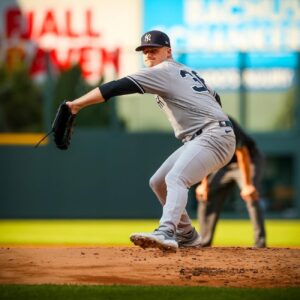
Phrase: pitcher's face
pixel 155 55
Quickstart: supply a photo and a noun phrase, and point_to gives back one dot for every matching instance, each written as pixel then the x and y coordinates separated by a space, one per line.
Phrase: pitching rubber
pixel 150 241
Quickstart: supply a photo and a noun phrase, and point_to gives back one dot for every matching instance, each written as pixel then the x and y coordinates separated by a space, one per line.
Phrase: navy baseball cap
pixel 154 38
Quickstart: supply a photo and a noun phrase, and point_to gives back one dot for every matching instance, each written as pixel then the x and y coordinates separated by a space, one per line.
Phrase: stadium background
pixel 251 58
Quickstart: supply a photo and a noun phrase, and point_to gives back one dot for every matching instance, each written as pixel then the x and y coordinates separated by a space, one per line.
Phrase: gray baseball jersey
pixel 187 101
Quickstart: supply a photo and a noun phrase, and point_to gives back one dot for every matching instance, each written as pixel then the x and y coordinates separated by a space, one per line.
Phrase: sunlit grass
pixel 240 233
pixel 281 233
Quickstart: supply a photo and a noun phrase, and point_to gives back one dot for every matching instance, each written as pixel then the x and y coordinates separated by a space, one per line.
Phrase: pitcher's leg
pixel 196 161
pixel 198 158
pixel 159 187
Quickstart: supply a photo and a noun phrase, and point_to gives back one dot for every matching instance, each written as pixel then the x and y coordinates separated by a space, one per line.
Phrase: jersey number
pixel 200 86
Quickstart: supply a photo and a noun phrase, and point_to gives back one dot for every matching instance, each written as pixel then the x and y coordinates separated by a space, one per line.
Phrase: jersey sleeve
pixel 154 80
pixel 120 87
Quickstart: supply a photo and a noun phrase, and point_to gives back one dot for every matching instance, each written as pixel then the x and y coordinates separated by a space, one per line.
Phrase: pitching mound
pixel 218 266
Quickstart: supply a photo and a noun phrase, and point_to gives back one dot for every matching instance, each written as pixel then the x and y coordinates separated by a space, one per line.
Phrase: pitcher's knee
pixel 173 179
pixel 156 183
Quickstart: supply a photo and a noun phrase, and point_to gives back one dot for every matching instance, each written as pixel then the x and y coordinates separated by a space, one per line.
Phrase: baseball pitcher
pixel 198 121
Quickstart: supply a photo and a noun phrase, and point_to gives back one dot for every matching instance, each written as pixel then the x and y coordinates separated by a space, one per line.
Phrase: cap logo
pixel 147 37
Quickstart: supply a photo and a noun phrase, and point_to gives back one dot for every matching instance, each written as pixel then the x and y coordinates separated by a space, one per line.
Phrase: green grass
pixel 281 233
pixel 20 292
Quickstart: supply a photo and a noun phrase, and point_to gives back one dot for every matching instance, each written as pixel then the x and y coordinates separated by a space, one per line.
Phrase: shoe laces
pixel 169 233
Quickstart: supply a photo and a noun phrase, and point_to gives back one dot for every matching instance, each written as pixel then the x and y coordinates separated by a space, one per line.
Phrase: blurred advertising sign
pixel 68 34
pixel 209 34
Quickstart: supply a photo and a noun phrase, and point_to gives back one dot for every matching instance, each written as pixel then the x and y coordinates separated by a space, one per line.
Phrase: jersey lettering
pixel 200 86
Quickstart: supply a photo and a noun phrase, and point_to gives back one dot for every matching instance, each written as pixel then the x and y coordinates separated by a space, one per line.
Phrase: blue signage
pixel 211 33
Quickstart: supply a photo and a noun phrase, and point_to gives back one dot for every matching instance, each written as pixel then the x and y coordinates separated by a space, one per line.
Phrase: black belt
pixel 221 124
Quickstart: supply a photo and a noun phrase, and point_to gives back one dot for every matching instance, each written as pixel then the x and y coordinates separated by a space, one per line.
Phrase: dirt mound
pixel 217 266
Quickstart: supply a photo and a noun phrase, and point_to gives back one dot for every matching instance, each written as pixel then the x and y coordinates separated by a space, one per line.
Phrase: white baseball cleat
pixel 162 240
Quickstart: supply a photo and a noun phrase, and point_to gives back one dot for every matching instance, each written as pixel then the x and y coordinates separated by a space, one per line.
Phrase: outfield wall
pixel 105 174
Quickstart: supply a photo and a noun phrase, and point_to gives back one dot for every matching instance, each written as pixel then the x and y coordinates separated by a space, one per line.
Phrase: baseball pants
pixel 189 164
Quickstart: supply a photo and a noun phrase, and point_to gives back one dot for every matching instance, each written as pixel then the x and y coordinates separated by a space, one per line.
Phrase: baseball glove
pixel 62 127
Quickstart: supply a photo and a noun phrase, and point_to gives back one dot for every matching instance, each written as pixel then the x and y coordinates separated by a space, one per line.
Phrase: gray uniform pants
pixel 189 164
pixel 221 184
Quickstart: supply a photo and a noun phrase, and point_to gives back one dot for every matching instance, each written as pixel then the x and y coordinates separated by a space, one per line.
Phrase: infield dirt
pixel 217 266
